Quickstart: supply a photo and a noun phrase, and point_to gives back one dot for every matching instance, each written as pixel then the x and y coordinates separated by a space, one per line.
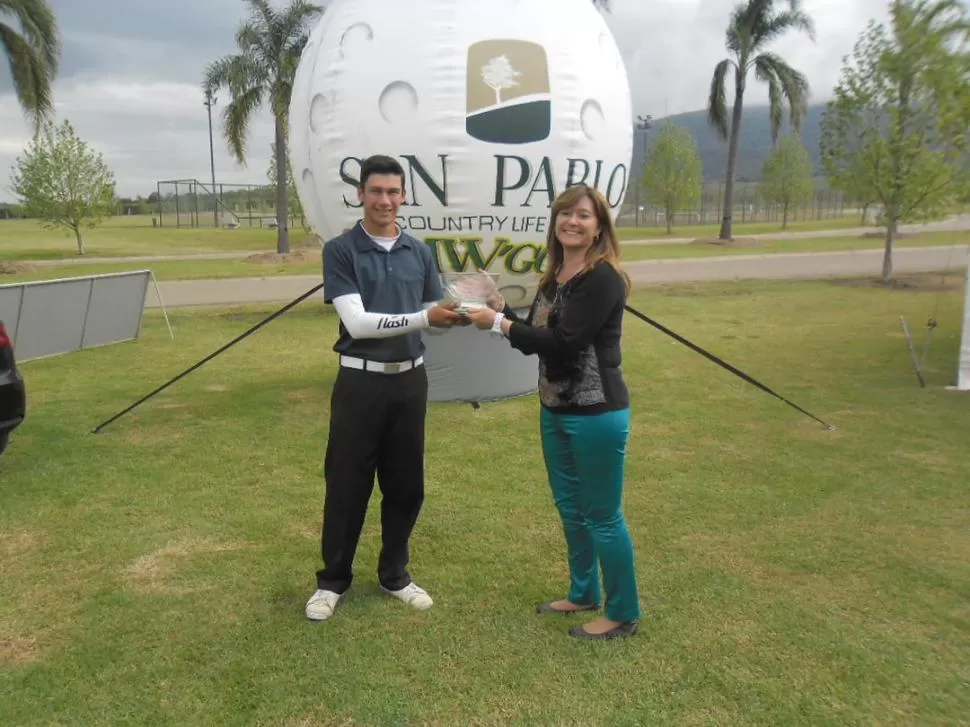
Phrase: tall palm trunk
pixel 282 193
pixel 732 157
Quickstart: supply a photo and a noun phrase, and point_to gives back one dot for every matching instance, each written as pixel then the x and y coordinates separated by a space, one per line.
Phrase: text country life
pixel 473 223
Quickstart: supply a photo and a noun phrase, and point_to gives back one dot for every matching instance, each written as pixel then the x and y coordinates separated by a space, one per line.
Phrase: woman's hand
pixel 496 302
pixel 483 318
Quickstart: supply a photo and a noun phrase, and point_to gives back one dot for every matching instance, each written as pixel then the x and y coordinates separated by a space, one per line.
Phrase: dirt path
pixel 179 293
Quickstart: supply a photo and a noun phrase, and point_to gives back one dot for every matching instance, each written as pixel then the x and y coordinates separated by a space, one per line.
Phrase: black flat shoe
pixel 548 608
pixel 617 632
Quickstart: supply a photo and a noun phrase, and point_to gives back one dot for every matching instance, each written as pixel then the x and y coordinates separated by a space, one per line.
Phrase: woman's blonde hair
pixel 606 246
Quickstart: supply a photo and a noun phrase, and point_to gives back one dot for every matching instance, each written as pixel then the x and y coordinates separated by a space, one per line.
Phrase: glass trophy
pixel 470 290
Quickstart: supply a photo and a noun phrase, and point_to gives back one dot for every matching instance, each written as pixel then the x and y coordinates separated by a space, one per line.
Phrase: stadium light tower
pixel 209 102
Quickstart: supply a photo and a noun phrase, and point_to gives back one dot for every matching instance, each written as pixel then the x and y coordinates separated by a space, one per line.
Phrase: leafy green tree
pixel 33 54
pixel 857 189
pixel 270 43
pixel 898 124
pixel 293 198
pixel 786 177
pixel 64 183
pixel 673 175
pixel 752 27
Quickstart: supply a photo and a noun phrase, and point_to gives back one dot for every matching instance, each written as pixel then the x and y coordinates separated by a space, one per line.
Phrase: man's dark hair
pixel 380 164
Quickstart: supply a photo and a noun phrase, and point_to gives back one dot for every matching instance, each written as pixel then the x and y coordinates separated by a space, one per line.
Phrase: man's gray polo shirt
pixel 397 281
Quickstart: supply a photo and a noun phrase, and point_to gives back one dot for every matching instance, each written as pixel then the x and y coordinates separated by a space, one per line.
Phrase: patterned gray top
pixel 575 329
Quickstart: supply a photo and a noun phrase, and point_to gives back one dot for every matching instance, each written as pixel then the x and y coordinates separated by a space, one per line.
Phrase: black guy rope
pixel 734 370
pixel 208 358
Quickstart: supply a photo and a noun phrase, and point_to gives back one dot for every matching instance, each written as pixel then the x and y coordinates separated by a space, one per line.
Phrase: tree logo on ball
pixel 509 100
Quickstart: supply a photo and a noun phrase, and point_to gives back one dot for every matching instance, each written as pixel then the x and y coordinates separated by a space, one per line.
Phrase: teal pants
pixel 585 458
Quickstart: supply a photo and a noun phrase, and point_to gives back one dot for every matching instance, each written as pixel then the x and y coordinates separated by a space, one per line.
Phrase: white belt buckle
pixel 388 367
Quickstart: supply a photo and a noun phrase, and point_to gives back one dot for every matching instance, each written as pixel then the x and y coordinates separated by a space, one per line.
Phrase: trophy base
pixel 464 306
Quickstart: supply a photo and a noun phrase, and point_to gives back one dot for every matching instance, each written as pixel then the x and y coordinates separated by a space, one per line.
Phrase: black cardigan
pixel 575 330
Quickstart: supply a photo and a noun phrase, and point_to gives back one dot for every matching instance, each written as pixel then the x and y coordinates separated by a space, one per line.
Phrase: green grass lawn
pixel 241 268
pixel 125 236
pixel 130 236
pixel 156 573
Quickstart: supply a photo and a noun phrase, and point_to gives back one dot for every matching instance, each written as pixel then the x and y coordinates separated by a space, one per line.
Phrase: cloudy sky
pixel 131 71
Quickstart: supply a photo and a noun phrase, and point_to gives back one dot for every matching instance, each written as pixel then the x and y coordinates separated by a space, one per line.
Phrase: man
pixel 384 285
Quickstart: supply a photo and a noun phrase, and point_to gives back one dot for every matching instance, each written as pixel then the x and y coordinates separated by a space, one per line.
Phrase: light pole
pixel 640 126
pixel 208 103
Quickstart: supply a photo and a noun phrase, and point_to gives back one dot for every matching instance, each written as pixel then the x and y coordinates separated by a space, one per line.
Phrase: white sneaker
pixel 322 604
pixel 413 595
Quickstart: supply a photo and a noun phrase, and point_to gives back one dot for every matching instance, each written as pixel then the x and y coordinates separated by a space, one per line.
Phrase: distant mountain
pixel 755 144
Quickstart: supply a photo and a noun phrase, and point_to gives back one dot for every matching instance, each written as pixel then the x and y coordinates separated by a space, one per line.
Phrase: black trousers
pixel 376 427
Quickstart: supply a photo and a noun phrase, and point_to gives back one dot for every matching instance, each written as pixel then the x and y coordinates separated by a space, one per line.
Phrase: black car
pixel 13 394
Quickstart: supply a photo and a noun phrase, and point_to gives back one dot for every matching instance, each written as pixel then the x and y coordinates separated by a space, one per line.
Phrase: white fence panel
pixel 50 317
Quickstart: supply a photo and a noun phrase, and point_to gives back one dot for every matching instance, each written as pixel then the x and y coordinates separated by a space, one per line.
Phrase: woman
pixel 574 328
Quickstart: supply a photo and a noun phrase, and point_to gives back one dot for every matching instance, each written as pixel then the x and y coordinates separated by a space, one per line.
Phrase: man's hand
pixel 443 315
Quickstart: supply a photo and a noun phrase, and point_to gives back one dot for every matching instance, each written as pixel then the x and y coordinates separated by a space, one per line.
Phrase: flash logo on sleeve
pixel 393 322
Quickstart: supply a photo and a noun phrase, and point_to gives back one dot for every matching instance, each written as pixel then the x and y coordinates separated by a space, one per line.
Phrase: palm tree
pixel 753 25
pixel 33 54
pixel 270 42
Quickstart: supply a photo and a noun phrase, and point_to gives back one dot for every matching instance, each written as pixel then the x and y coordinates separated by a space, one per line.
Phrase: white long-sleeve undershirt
pixel 363 324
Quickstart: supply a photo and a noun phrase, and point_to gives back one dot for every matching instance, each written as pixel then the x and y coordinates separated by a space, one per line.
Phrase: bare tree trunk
pixel 895 151
pixel 670 222
pixel 732 160
pixel 784 217
pixel 77 234
pixel 282 196
pixel 865 214
pixel 887 258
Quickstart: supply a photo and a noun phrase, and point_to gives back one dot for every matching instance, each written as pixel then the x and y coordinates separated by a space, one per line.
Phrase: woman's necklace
pixel 563 277
pixel 565 274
